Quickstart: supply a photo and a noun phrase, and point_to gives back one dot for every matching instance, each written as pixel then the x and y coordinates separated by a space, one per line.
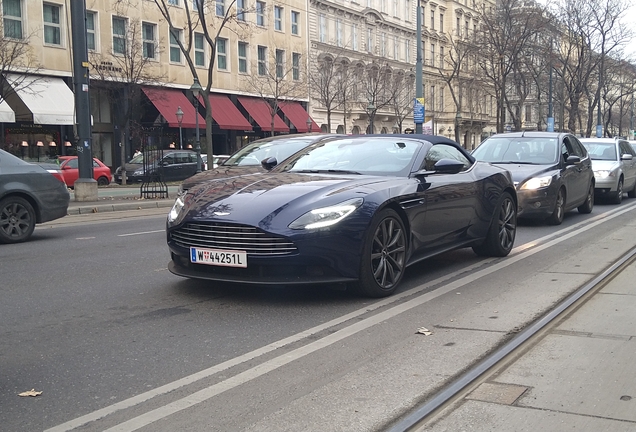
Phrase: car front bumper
pixel 605 185
pixel 536 203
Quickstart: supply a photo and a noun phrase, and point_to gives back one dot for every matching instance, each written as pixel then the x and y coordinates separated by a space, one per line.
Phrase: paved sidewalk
pixel 581 376
pixel 119 198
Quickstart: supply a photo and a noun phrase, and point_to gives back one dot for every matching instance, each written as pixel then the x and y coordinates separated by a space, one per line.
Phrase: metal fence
pixel 153 142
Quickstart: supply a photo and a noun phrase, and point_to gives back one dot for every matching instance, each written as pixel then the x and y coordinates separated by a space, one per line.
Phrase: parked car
pixel 174 165
pixel 70 171
pixel 552 172
pixel 218 160
pixel 249 159
pixel 28 195
pixel 356 209
pixel 53 167
pixel 614 165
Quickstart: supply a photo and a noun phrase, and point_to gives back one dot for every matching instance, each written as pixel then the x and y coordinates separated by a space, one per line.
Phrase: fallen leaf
pixel 424 331
pixel 31 392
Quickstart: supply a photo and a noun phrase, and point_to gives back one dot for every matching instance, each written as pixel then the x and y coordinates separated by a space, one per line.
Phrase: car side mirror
pixel 448 166
pixel 573 160
pixel 269 163
pixel 627 156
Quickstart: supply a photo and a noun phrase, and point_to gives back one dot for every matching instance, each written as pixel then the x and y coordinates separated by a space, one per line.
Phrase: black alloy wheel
pixel 588 204
pixel 503 229
pixel 384 255
pixel 556 218
pixel 102 181
pixel 17 220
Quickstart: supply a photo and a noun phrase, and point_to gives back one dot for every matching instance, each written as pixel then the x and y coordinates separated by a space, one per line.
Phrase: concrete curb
pixel 94 207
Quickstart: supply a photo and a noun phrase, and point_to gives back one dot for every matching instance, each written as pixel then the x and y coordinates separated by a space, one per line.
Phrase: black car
pixel 552 172
pixel 28 195
pixel 172 165
pixel 354 209
pixel 258 157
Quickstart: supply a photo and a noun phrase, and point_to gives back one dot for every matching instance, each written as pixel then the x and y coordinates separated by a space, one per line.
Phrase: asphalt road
pixel 91 317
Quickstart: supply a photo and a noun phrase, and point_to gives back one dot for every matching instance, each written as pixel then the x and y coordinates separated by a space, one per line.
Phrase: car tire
pixel 588 205
pixel 17 220
pixel 383 255
pixel 556 218
pixel 502 231
pixel 102 181
pixel 617 197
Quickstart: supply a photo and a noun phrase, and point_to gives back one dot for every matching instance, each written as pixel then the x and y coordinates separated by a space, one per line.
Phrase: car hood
pixel 522 172
pixel 604 165
pixel 256 200
pixel 220 173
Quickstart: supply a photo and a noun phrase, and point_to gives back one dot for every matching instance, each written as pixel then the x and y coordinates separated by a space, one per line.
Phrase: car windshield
pixel 525 150
pixel 601 150
pixel 254 153
pixel 374 156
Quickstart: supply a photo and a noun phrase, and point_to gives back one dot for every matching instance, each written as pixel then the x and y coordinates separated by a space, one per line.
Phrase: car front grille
pixel 231 237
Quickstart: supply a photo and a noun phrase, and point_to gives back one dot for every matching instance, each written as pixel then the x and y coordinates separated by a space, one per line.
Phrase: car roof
pixel 602 140
pixel 531 134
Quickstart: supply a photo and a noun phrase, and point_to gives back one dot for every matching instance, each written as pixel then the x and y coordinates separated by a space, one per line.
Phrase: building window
pixel 12 18
pixel 260 13
pixel 90 30
pixel 383 44
pixel 432 54
pixel 175 50
pixel 262 60
pixel 220 7
pixel 280 63
pixel 441 22
pixel 407 10
pixel 395 8
pixel 240 10
pixel 173 2
pixel 295 22
pixel 52 27
pixel 338 32
pixel 528 113
pixel 221 54
pixel 149 40
pixel 407 50
pixel 459 27
pixel 441 99
pixel 322 36
pixel 466 28
pixel 278 18
pixel 441 57
pixel 396 48
pixel 354 37
pixel 432 98
pixel 119 35
pixel 296 66
pixel 432 19
pixel 242 57
pixel 369 40
pixel 199 49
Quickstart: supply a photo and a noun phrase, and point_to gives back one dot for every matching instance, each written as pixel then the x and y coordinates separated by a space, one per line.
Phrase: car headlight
pixel 138 172
pixel 537 183
pixel 326 216
pixel 604 173
pixel 177 207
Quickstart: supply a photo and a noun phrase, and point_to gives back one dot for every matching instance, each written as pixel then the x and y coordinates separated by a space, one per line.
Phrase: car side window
pixel 95 164
pixel 625 148
pixel 192 157
pixel 571 149
pixel 581 150
pixel 444 151
pixel 168 159
pixel 72 163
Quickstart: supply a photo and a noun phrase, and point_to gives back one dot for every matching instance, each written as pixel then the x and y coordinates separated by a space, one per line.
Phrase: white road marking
pixel 518 254
pixel 140 233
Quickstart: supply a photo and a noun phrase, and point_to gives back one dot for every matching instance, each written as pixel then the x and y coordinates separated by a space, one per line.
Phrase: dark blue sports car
pixel 356 209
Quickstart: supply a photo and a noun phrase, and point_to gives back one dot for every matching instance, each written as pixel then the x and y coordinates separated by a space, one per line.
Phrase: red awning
pixel 298 116
pixel 227 115
pixel 167 100
pixel 259 111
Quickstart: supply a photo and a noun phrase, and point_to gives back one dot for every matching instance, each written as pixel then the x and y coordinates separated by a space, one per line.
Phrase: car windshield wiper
pixel 515 162
pixel 329 171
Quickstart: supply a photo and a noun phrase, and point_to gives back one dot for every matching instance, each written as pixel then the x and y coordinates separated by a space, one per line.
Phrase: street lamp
pixel 309 124
pixel 371 111
pixel 180 119
pixel 196 91
pixel 450 132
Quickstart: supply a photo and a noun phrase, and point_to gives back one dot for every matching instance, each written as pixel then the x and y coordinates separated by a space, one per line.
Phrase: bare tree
pixel 402 89
pixel 121 78
pixel 375 93
pixel 208 19
pixel 16 58
pixel 286 80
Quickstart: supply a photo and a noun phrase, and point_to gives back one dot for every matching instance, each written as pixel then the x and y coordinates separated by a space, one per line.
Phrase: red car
pixel 70 171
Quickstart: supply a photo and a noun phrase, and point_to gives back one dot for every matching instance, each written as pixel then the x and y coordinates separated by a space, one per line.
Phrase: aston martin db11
pixel 355 209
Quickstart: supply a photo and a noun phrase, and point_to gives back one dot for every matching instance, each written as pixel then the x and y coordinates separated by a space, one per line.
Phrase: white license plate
pixel 215 257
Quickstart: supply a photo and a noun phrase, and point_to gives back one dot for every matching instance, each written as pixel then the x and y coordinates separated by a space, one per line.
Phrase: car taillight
pixel 57 174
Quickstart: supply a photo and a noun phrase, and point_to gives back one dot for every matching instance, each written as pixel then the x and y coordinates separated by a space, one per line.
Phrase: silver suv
pixel 614 165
